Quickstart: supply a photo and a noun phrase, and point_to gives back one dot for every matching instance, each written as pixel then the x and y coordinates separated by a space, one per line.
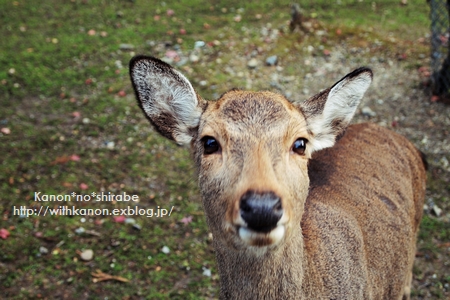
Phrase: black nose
pixel 261 211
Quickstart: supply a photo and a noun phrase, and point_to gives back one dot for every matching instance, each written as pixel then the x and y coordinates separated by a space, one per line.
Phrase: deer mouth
pixel 260 238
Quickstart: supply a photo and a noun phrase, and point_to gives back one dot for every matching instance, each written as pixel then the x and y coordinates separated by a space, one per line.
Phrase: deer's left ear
pixel 166 97
pixel 328 113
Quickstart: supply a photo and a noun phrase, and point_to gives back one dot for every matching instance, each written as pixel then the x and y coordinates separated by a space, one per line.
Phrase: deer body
pixel 290 221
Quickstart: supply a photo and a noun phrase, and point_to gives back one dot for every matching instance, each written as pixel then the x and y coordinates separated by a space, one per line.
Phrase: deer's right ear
pixel 166 97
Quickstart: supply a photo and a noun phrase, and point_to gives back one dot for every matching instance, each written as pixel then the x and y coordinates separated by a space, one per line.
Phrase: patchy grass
pixel 75 127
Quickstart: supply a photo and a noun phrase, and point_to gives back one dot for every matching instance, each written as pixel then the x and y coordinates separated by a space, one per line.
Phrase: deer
pixel 300 204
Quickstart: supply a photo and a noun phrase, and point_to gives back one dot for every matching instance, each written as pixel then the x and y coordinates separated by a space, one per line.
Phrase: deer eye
pixel 299 146
pixel 210 145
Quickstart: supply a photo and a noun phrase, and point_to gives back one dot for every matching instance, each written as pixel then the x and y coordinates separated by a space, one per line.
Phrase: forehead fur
pixel 252 110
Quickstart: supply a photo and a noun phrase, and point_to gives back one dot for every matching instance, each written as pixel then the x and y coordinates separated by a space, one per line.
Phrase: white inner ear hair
pixel 167 91
pixel 341 104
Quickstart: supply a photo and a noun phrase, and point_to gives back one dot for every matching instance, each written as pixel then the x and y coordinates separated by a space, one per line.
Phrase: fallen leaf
pixel 74 157
pixel 76 114
pixel 4 233
pixel 60 160
pixel 434 98
pixel 93 232
pixel 444 245
pixel 83 186
pixel 186 220
pixel 171 53
pixel 121 94
pixel 170 12
pixel 5 130
pixel 88 81
pixel 100 276
pixel 91 32
pixel 120 219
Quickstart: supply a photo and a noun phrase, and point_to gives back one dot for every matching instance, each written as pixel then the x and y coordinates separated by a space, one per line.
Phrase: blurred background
pixel 69 123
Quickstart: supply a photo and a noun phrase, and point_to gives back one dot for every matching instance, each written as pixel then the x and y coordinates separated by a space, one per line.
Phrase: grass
pixel 65 93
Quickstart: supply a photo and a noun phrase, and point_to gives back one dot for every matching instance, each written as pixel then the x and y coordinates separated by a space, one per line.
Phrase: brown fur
pixel 360 218
pixel 351 212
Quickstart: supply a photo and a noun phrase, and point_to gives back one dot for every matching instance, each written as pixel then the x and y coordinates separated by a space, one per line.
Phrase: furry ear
pixel 329 112
pixel 166 97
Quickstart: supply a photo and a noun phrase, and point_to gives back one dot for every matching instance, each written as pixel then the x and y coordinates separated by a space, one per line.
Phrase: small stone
pixel 194 58
pixel 367 111
pixel 151 43
pixel 126 47
pixel 206 272
pixel 86 121
pixel 252 63
pixel 444 162
pixel 199 44
pixel 118 64
pixel 130 221
pixel 272 60
pixel 137 226
pixel 203 83
pixel 110 145
pixel 165 250
pixel 43 250
pixel 437 211
pixel 87 255
pixel 288 78
pixel 182 62
pixel 80 230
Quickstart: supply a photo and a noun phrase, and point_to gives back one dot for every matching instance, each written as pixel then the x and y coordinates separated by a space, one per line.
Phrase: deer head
pixel 251 148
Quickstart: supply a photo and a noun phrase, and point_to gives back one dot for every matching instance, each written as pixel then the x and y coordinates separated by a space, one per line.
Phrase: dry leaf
pixel 100 276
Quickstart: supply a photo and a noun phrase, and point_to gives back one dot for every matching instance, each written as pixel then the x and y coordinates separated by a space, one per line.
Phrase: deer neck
pixel 278 274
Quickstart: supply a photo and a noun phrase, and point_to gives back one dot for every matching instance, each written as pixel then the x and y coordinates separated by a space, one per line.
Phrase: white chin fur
pixel 249 236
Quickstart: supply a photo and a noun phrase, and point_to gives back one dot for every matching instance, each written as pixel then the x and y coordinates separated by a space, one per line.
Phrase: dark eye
pixel 299 146
pixel 210 145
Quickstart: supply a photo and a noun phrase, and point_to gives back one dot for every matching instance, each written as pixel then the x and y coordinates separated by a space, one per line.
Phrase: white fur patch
pixel 249 236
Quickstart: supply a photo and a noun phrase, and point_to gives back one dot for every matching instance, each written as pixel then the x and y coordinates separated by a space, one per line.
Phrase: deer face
pixel 252 151
pixel 251 148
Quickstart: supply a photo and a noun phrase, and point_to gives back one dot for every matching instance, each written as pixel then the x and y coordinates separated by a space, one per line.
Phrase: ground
pixel 69 123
